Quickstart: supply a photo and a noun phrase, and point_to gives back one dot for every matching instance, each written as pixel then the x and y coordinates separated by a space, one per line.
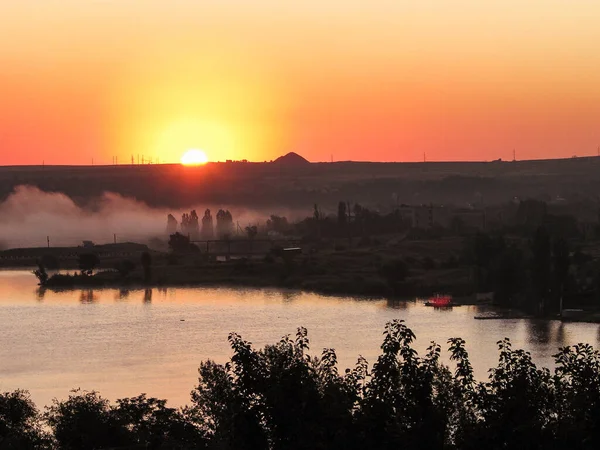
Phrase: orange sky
pixel 381 80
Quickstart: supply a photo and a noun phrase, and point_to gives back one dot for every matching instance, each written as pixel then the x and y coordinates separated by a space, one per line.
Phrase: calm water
pixel 122 343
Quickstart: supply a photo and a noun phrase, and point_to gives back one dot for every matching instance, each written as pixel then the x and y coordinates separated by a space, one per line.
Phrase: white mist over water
pixel 29 215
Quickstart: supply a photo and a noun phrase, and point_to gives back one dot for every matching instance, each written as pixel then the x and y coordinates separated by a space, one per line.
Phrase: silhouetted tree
pixel 179 243
pixel 189 224
pixel 20 423
pixel 483 252
pixel 316 212
pixel 146 261
pixel 194 227
pixel 41 274
pixel 185 224
pixel 514 404
pixel 88 262
pixel 276 398
pixel 560 269
pixel 342 215
pixel 541 267
pixel 405 402
pixel 207 225
pixel 153 425
pixel 251 231
pixel 171 224
pixel 278 224
pixel 509 276
pixel 85 421
pixel 224 223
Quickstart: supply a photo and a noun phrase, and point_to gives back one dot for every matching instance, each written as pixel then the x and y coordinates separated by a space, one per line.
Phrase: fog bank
pixel 29 215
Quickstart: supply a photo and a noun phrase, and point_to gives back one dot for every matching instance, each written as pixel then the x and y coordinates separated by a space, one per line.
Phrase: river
pixel 123 343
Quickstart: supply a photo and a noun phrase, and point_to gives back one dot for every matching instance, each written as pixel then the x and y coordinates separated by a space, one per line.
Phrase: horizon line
pixel 499 160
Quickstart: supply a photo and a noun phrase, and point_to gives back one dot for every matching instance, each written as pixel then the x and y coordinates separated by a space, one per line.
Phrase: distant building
pixel 425 217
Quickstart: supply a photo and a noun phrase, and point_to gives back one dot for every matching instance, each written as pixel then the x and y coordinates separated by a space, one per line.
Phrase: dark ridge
pixel 292 159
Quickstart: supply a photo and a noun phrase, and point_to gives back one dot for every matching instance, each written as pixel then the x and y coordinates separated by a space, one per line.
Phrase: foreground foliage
pixel 280 397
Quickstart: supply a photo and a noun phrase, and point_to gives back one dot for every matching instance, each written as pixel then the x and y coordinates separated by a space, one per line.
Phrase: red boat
pixel 439 301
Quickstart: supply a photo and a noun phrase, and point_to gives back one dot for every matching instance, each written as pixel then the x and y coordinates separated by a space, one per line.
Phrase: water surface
pixel 123 343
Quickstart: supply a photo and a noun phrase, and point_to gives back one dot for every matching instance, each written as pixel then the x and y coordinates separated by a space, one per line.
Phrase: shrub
pixel 20 422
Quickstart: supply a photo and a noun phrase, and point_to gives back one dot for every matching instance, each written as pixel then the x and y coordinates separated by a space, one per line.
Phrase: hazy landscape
pixel 291 186
pixel 515 242
pixel 307 225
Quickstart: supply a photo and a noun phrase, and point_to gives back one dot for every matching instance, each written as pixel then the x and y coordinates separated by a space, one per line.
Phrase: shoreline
pixel 327 274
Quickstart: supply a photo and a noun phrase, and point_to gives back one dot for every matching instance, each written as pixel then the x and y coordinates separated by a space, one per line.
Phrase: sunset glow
pixel 382 80
pixel 194 158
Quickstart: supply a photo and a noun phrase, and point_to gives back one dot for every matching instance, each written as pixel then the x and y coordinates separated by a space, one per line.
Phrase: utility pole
pixel 115 237
pixel 48 241
pixel 132 162
pixel 514 155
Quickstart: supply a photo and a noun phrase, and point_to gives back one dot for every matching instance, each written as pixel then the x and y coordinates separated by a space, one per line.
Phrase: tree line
pixel 281 397
pixel 536 274
pixel 195 228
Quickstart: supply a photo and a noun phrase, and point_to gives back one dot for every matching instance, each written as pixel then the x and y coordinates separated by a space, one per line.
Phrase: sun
pixel 194 157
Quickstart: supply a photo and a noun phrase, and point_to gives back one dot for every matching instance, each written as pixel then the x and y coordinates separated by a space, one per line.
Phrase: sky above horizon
pixel 379 80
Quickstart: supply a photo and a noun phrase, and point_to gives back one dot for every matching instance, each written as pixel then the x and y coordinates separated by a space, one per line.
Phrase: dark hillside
pixel 295 183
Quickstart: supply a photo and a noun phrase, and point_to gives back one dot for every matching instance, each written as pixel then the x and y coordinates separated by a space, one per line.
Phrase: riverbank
pixel 294 277
pixel 404 270
pixel 348 273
